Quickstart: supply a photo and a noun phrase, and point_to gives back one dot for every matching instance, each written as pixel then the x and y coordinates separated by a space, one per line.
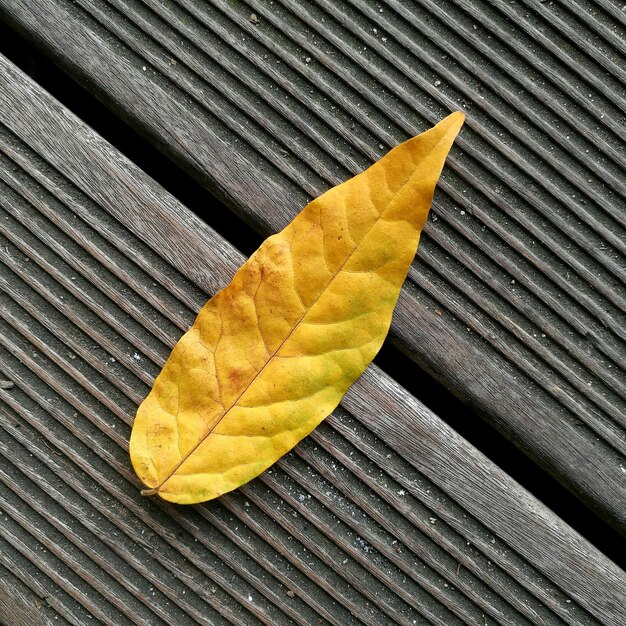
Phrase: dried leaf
pixel 271 355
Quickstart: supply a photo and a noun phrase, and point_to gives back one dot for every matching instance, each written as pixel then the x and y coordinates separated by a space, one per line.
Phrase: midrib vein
pixel 155 490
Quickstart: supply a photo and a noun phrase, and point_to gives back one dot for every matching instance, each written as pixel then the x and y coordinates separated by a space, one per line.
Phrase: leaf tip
pixel 454 121
pixel 459 115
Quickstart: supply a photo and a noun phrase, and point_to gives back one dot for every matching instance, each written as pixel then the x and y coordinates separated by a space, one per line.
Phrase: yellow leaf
pixel 272 354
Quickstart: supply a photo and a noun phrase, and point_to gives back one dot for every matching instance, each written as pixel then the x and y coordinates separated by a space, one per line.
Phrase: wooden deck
pixel 517 300
pixel 385 515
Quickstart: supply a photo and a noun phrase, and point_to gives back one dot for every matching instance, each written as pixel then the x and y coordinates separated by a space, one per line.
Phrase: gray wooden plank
pixel 101 270
pixel 20 606
pixel 525 248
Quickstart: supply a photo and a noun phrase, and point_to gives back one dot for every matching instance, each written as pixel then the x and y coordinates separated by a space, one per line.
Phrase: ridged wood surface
pixel 383 516
pixel 517 300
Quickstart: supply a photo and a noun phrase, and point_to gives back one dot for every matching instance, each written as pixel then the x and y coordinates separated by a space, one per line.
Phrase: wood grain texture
pixel 20 606
pixel 383 516
pixel 525 255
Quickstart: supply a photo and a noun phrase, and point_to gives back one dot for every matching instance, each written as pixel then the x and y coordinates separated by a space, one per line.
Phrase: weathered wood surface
pixel 517 298
pixel 20 606
pixel 383 516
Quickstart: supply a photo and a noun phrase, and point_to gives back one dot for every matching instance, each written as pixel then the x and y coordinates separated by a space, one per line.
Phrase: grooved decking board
pixel 20 606
pixel 383 516
pixel 517 299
